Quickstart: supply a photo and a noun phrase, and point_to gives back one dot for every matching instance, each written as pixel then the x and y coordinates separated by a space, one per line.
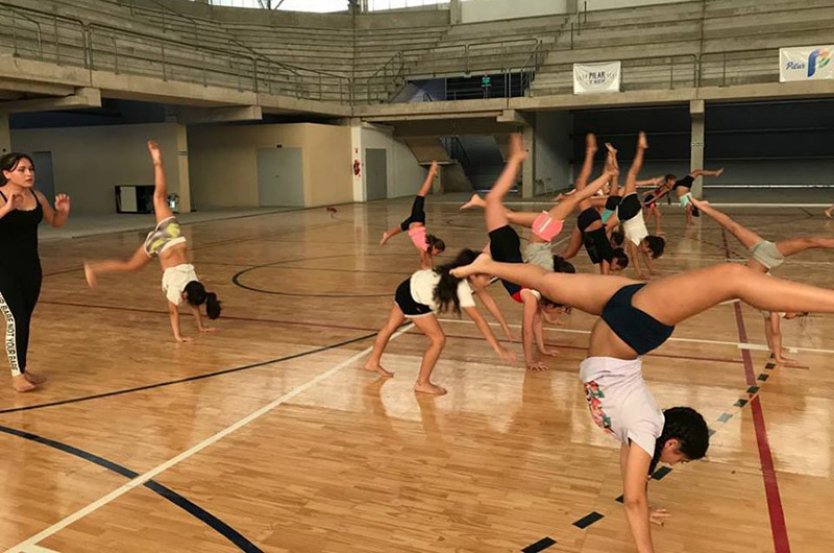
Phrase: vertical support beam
pixel 696 145
pixel 5 134
pixel 184 188
pixel 528 169
pixel 357 153
pixel 455 12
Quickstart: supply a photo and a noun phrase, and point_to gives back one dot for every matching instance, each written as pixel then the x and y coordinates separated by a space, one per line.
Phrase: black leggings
pixel 417 213
pixel 19 291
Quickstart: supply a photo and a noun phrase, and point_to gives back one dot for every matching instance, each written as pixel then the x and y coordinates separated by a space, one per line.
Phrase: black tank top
pixel 19 235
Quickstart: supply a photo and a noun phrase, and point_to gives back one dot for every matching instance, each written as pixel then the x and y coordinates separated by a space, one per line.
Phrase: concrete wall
pixel 594 5
pixel 404 174
pixel 88 162
pixel 474 11
pixel 553 151
pixel 224 167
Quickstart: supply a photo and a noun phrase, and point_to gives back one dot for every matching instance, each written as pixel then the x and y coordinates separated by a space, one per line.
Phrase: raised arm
pixel 635 463
pixel 174 315
pixel 486 332
pixel 55 217
pixel 495 311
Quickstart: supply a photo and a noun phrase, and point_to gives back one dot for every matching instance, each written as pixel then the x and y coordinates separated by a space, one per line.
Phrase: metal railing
pixel 97 46
pixel 389 75
pixel 46 36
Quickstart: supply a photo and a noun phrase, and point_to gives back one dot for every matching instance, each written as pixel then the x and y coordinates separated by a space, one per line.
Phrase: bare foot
pixel 378 369
pixel 429 388
pixel 385 237
pixel 90 275
pixel 517 147
pixel 591 142
pixel 642 141
pixel 719 172
pixel 34 378
pixel 478 266
pixel 474 201
pixel 610 147
pixel 828 211
pixel 20 384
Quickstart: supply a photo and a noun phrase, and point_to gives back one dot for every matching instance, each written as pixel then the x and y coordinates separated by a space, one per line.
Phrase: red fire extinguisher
pixel 356 167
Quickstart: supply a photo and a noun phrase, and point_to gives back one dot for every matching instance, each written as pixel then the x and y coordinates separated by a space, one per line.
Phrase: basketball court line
pixel 739 345
pixel 140 480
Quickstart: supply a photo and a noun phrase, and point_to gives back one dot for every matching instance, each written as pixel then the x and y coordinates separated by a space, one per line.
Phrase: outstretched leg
pixel 636 165
pixel 587 292
pixel 747 237
pixel 495 214
pixel 710 286
pixel 795 245
pixel 161 208
pixel 92 269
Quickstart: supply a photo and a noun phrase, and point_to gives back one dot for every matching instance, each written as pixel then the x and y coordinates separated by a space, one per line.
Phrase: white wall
pixel 224 164
pixel 474 11
pixel 553 150
pixel 88 162
pixel 404 174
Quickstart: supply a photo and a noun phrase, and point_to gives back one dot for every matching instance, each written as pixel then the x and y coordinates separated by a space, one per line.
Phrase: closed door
pixel 280 177
pixel 376 170
pixel 43 174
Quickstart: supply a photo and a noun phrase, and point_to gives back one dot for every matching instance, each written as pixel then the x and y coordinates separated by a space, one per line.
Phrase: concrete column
pixel 184 189
pixel 455 12
pixel 357 153
pixel 528 168
pixel 5 134
pixel 696 145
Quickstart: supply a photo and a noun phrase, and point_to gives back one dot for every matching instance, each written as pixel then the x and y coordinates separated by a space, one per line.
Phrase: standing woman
pixel 179 281
pixel 22 209
pixel 418 298
pixel 428 245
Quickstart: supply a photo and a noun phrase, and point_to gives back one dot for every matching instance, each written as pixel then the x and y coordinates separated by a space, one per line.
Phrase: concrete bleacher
pixel 657 46
pixel 369 57
pixel 489 47
pixel 686 44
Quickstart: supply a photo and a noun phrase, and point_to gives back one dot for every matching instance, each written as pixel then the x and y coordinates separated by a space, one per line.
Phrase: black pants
pixel 417 213
pixel 19 291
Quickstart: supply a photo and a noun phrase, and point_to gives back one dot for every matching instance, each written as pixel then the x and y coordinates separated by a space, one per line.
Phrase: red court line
pixel 778 527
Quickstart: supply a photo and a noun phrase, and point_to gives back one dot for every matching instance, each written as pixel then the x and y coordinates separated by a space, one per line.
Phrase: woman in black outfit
pixel 22 208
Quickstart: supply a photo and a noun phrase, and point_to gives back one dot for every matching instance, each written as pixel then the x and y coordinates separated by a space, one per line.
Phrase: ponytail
pixel 446 291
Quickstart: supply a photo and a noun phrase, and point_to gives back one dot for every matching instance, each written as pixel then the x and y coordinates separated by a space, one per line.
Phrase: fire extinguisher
pixel 356 167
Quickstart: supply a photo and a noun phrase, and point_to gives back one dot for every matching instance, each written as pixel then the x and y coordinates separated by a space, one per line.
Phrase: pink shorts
pixel 546 227
pixel 418 238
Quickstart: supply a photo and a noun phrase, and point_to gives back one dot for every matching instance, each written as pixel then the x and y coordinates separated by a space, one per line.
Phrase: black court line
pixel 238 283
pixel 588 520
pixel 187 379
pixel 180 501
pixel 540 545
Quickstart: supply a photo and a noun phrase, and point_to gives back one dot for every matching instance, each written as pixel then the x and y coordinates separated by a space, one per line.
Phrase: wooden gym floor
pixel 268 435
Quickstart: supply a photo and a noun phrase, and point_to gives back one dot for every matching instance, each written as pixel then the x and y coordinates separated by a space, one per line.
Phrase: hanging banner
pixel 809 63
pixel 590 78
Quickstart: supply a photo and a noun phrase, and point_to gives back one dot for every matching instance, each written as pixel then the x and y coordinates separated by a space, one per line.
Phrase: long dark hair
pixel 688 427
pixel 446 291
pixel 433 242
pixel 196 295
pixel 9 163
